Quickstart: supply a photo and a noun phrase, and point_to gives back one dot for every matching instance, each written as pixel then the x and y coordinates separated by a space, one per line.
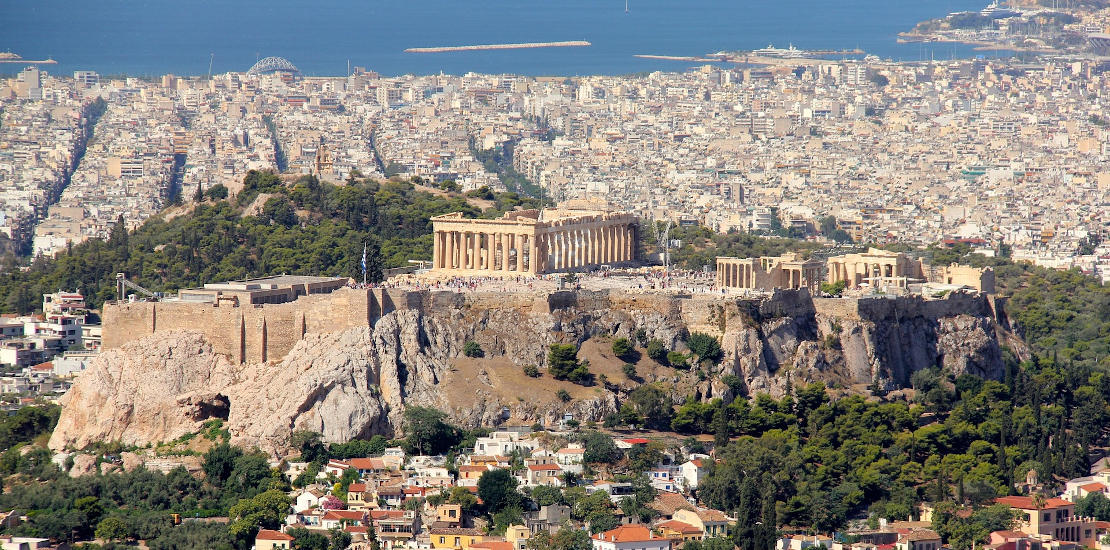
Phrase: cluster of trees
pixel 307 226
pixel 701 246
pixel 829 461
pixel 127 506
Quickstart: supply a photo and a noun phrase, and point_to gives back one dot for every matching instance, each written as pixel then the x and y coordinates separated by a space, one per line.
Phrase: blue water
pixel 156 37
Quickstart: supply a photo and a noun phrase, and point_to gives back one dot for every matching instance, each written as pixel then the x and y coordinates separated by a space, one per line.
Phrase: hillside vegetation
pixel 301 227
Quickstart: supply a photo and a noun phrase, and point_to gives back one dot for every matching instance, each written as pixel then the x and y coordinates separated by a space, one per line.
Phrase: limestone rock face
pixel 356 383
pixel 326 384
pixel 149 390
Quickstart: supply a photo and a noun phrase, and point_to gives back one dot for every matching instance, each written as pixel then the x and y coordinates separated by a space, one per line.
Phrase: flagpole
pixel 364 264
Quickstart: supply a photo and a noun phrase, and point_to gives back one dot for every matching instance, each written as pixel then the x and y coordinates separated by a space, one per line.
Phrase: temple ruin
pixel 528 242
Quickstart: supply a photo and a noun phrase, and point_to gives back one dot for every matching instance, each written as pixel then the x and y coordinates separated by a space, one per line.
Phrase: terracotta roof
pixel 680 526
pixel 356 529
pixel 709 514
pixel 368 463
pixel 269 534
pixel 345 514
pixel 921 534
pixel 568 451
pixel 1026 503
pixel 635 441
pixel 669 503
pixel 627 533
pixel 1009 534
pixel 549 467
pixel 470 468
pixel 356 488
pixel 1092 487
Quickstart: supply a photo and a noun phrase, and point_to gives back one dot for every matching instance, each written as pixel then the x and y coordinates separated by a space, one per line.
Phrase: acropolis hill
pixel 345 363
pixel 289 352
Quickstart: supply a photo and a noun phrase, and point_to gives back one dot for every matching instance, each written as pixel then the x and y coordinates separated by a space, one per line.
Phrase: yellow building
pixel 455 538
pixel 272 540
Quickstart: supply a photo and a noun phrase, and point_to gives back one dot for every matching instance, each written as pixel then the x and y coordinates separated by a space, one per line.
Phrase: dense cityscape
pixel 772 299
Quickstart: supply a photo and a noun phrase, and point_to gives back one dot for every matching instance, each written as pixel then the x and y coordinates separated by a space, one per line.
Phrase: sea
pixel 325 37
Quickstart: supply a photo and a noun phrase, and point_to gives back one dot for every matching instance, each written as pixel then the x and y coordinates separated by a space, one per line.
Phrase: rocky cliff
pixel 356 382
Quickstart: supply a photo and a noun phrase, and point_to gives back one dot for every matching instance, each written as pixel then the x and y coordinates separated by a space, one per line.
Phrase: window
pixel 442 540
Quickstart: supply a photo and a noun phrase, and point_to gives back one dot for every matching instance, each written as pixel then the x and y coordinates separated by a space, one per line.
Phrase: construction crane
pixel 122 284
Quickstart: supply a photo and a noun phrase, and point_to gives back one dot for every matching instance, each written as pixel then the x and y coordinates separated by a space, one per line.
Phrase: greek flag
pixel 363 264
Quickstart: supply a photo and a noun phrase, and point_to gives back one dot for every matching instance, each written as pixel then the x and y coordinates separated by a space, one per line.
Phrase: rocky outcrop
pixel 357 382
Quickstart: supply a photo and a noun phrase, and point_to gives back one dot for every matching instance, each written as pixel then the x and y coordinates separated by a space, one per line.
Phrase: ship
pixel 772 51
pixel 994 11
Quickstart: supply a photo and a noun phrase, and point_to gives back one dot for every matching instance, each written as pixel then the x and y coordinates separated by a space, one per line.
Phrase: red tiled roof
pixel 627 533
pixel 1092 487
pixel 269 534
pixel 367 463
pixel 1026 503
pixel 345 514
pixel 568 451
pixel 539 467
pixel 636 441
pixel 356 488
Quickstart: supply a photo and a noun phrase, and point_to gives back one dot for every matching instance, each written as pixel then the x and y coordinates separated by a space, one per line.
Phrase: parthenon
pixel 528 243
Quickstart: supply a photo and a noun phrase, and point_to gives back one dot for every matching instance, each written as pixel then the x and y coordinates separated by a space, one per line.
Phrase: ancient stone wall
pixel 267 332
pixel 263 332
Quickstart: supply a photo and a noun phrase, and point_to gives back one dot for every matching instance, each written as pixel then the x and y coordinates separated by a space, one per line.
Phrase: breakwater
pixel 516 46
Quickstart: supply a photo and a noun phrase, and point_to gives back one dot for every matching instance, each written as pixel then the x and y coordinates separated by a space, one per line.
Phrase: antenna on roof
pixel 211 58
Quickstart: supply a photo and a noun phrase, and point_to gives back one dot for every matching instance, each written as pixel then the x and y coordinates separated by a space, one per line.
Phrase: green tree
pixel 268 510
pixel 428 433
pixel 657 352
pixel 622 348
pixel 473 349
pixel 599 448
pixel 563 364
pixel 705 346
pixel 497 489
pixel 112 529
pixel 219 462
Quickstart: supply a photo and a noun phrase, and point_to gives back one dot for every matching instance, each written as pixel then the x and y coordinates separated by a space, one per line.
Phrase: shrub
pixel 563 395
pixel 629 370
pixel 531 371
pixel 641 336
pixel 622 347
pixel 217 192
pixel 657 351
pixel 473 349
pixel 705 346
pixel 562 360
pixel 677 360
pixel 834 289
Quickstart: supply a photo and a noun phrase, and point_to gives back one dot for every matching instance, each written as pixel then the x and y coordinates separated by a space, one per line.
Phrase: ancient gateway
pixel 527 242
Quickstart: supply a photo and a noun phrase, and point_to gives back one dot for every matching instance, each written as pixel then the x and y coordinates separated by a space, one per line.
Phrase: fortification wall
pixel 267 332
pixel 252 333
